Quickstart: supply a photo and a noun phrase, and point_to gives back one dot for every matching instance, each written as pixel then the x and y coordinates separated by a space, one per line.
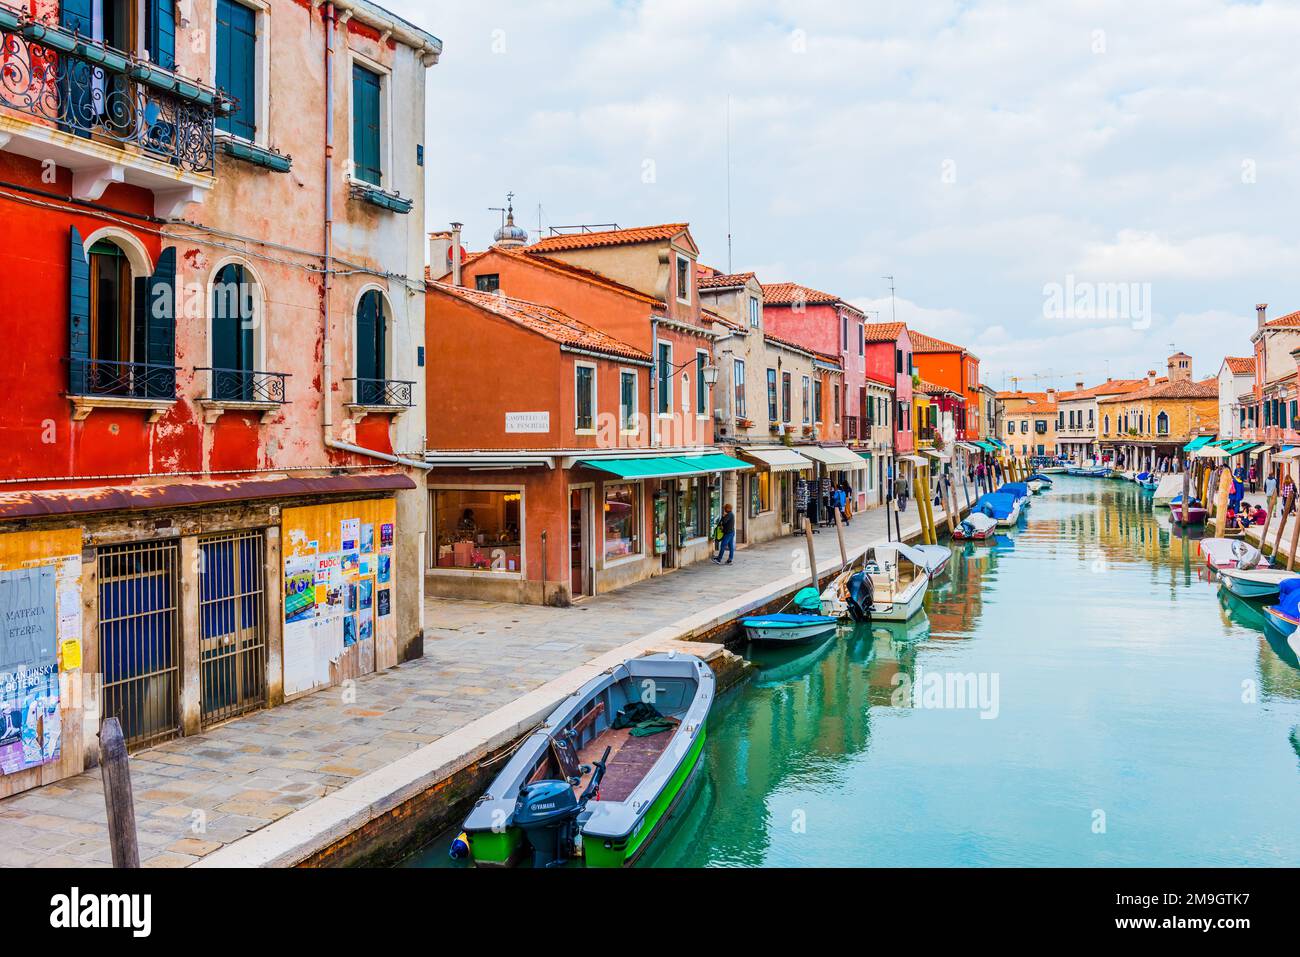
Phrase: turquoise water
pixel 1135 717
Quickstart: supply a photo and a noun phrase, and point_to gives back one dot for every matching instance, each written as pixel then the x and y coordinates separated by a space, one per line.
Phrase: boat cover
pixel 1288 598
pixel 996 505
pixel 808 599
pixel 786 619
pixel 910 552
pixel 1014 489
pixel 979 523
pixel 1143 476
pixel 1039 477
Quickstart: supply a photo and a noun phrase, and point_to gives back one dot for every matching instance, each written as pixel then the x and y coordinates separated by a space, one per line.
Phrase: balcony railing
pixel 391 393
pixel 850 426
pixel 126 380
pixel 245 385
pixel 84 87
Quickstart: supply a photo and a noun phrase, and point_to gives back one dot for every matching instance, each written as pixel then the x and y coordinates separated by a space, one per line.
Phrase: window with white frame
pixel 664 400
pixel 628 399
pixel 367 124
pixel 683 279
pixel 701 387
pixel 738 380
pixel 584 386
pixel 753 312
pixel 806 407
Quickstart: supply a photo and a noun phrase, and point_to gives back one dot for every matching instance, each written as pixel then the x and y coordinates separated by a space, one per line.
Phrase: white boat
pixel 1170 487
pixel 890 585
pixel 935 558
pixel 1232 553
pixel 1255 583
pixel 1036 485
pixel 788 629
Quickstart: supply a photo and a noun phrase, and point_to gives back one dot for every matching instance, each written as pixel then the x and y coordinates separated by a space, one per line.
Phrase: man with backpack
pixel 724 533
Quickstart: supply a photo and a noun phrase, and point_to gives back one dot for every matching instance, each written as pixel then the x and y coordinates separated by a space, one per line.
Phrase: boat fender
pixel 459 849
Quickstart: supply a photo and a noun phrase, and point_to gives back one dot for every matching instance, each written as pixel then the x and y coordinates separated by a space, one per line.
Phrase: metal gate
pixel 139 639
pixel 232 623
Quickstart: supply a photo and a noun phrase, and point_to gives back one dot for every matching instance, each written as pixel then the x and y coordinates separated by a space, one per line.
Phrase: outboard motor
pixel 860 597
pixel 547 812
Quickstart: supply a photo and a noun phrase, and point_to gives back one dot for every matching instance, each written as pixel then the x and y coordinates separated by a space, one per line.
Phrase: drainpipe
pixel 327 371
pixel 654 382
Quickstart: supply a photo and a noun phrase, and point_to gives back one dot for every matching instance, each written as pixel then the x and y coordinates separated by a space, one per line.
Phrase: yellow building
pixel 1147 429
pixel 1028 422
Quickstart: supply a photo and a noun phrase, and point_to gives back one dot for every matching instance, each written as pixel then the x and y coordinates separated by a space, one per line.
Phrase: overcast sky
pixel 1003 161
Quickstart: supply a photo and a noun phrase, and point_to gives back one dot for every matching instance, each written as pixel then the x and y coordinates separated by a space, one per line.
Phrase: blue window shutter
pixel 76 15
pixel 78 315
pixel 161 38
pixel 370 348
pixel 237 66
pixel 160 348
pixel 365 125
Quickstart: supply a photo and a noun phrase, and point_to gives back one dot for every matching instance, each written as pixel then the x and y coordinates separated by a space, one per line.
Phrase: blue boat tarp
pixel 1040 477
pixel 1015 489
pixel 996 505
pixel 786 620
pixel 1143 476
pixel 1288 598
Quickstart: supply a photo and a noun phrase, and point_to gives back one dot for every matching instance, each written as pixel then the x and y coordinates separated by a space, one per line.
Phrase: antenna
pixel 728 184
pixel 893 315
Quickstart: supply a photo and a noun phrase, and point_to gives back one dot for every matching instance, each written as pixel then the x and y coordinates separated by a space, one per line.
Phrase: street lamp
pixel 710 373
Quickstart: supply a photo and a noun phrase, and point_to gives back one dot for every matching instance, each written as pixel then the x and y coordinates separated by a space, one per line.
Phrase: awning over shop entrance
pixel 1198 443
pixel 779 459
pixel 972 446
pixel 663 466
pixel 1239 448
pixel 938 456
pixel 834 457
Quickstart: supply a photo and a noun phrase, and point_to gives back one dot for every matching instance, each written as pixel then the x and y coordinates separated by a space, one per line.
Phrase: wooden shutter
pixel 76 15
pixel 78 315
pixel 161 37
pixel 160 341
pixel 365 125
pixel 237 66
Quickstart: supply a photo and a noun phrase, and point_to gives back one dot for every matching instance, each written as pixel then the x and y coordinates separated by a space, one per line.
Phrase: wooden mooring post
pixel 118 801
pixel 839 532
pixel 1287 504
pixel 812 552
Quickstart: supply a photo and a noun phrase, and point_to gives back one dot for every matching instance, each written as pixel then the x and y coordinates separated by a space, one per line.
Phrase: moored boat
pixel 1255 583
pixel 1192 515
pixel 999 506
pixel 1285 615
pixel 786 628
pixel 1231 553
pixel 890 585
pixel 975 527
pixel 1169 488
pixel 600 779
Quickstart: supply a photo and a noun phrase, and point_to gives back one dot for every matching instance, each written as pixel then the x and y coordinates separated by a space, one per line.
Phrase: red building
pixel 956 369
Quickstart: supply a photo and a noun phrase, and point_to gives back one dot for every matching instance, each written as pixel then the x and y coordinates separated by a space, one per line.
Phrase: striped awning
pixel 649 466
pixel 1198 443
pixel 778 459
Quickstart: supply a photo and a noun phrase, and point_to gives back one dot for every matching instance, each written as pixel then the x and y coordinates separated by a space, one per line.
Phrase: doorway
pixel 581 572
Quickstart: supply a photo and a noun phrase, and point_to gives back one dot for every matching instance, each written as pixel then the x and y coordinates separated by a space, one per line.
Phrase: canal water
pixel 1077 693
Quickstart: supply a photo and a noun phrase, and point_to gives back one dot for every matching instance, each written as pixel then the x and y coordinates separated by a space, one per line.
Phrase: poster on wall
pixel 334 558
pixel 30 726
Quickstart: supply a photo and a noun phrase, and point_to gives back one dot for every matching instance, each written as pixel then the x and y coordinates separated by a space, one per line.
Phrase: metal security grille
pixel 139 639
pixel 232 622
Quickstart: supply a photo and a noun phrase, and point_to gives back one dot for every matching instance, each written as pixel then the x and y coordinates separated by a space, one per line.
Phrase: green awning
pixel 666 466
pixel 1198 443
pixel 1239 448
pixel 987 446
pixel 714 462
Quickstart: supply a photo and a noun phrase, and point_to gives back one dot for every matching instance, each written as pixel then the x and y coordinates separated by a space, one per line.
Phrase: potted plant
pixel 744 423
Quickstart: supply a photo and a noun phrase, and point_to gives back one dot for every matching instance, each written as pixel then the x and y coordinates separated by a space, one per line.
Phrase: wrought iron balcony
pixel 384 393
pixel 245 385
pixel 850 426
pixel 124 380
pixel 82 86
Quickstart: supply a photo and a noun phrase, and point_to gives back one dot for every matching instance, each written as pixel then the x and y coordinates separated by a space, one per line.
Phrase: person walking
pixel 1288 495
pixel 726 536
pixel 838 500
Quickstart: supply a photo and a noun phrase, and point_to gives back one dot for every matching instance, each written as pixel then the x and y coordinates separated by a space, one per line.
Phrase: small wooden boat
pixel 890 585
pixel 1231 553
pixel 1255 583
pixel 1002 507
pixel 600 779
pixel 975 527
pixel 804 624
pixel 1194 515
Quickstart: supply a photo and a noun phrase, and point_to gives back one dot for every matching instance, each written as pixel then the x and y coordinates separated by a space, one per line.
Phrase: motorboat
pixel 975 527
pixel 789 628
pixel 1231 553
pixel 1038 482
pixel 999 506
pixel 603 775
pixel 1285 615
pixel 890 585
pixel 1192 515
pixel 1255 583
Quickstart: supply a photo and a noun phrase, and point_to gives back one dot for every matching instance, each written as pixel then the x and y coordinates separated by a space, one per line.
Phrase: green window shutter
pixel 78 315
pixel 160 22
pixel 160 347
pixel 75 89
pixel 237 66
pixel 365 125
pixel 371 344
pixel 232 334
pixel 77 15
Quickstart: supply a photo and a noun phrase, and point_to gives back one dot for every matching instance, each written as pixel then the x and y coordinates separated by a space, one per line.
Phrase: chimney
pixel 1078 386
pixel 455 253
pixel 1151 377
pixel 1261 313
pixel 439 250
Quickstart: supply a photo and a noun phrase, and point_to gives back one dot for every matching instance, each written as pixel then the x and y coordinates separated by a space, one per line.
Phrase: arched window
pixel 234 325
pixel 1162 424
pixel 1106 425
pixel 372 349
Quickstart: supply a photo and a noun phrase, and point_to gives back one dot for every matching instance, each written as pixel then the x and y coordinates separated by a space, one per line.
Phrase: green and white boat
pixel 605 772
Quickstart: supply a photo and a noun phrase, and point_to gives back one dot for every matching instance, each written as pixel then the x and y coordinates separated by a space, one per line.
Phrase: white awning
pixel 834 457
pixel 778 459
pixel 970 448
pixel 1291 453
pixel 940 456
pixel 914 459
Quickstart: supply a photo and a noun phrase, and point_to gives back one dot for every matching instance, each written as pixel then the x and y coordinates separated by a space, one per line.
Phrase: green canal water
pixel 1122 712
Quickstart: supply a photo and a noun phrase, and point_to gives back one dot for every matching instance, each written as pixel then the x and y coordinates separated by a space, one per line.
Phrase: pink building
pixel 888 356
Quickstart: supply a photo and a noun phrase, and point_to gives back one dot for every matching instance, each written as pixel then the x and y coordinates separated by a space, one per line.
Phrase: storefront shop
pixel 768 492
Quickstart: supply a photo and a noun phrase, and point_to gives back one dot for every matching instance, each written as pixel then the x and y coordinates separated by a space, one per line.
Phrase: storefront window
pixel 478 530
pixel 622 520
pixel 688 510
pixel 761 483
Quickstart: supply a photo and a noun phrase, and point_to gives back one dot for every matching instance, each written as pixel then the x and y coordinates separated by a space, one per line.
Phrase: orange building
pixel 566 460
pixel 955 369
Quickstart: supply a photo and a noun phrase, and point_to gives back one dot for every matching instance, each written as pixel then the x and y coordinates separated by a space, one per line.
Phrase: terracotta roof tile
pixel 551 323
pixel 1241 365
pixel 609 237
pixel 560 266
pixel 1177 389
pixel 923 343
pixel 790 343
pixel 883 331
pixel 1290 319
pixel 788 293
pixel 1109 387
pixel 723 281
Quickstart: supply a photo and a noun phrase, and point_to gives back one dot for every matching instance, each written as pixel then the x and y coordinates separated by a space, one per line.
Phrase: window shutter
pixel 370 348
pixel 160 348
pixel 76 15
pixel 161 38
pixel 365 125
pixel 237 66
pixel 78 315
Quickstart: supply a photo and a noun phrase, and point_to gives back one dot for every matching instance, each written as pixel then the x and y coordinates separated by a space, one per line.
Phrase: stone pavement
pixel 197 794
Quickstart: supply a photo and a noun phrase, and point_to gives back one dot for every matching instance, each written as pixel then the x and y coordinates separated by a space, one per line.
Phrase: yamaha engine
pixel 547 812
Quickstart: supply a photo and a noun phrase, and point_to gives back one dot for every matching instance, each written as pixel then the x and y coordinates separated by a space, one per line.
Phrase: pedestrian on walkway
pixel 1270 485
pixel 838 499
pixel 726 536
pixel 1288 494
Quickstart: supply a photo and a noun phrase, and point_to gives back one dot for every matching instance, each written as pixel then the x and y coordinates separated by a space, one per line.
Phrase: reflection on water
pixel 1143 718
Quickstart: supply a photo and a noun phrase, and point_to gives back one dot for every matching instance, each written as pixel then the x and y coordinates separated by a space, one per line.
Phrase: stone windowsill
pixel 83 405
pixel 214 408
